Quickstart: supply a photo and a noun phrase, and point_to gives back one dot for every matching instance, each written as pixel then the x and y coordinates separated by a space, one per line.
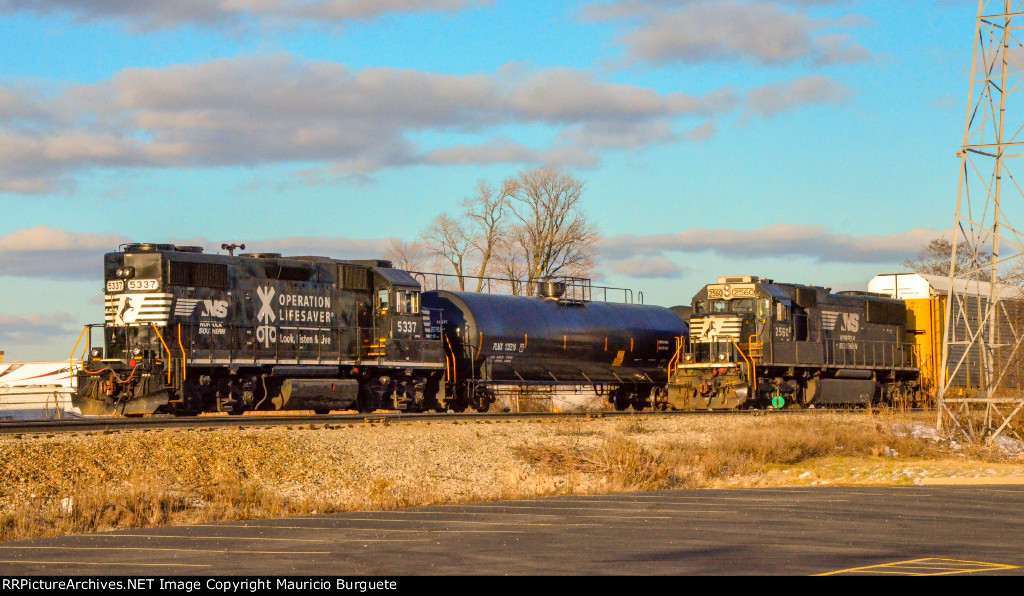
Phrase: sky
pixel 809 141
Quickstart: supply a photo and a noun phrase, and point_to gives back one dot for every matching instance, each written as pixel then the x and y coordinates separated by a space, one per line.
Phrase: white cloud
pixel 765 32
pixel 274 109
pixel 647 267
pixel 34 329
pixel 816 243
pixel 170 14
pixel 48 253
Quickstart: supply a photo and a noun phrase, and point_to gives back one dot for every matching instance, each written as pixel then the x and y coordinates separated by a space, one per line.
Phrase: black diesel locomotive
pixel 755 342
pixel 187 332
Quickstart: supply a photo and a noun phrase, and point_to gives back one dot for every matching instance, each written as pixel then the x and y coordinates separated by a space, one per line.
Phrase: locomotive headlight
pixel 721 357
pixel 689 357
pixel 119 273
pixel 136 352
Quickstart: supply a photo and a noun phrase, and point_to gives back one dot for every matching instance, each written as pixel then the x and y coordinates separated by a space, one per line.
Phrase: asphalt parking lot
pixel 891 531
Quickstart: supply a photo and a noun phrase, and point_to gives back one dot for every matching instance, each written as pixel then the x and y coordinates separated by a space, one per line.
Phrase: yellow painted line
pixel 877 572
pixel 922 564
pixel 983 481
pixel 71 563
pixel 927 562
pixel 190 550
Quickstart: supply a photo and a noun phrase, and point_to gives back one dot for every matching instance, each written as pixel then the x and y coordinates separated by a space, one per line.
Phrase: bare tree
pixel 933 259
pixel 485 212
pixel 410 256
pixel 510 262
pixel 446 239
pixel 553 231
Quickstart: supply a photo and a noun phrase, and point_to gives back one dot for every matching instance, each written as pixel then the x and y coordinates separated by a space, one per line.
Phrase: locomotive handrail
pixel 184 357
pixel 71 357
pixel 672 360
pixel 753 367
pixel 166 349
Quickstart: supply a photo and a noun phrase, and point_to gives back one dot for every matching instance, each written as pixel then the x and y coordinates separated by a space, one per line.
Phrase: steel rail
pixel 110 425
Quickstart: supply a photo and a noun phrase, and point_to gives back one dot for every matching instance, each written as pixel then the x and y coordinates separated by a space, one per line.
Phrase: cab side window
pixel 407 302
pixel 382 299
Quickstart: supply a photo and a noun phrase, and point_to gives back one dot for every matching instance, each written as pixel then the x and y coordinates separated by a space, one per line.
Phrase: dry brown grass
pixel 748 451
pixel 69 484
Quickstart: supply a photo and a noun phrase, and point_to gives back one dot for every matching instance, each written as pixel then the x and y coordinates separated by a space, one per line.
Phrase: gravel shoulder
pixel 83 483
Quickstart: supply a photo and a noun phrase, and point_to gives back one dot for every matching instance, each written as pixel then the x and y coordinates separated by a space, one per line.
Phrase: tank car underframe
pixel 481 394
pixel 728 386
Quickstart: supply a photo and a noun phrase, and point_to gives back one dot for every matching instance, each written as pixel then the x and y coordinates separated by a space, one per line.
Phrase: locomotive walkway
pixel 906 531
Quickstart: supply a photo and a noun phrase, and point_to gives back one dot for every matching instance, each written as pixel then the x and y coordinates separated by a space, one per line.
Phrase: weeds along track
pixel 110 425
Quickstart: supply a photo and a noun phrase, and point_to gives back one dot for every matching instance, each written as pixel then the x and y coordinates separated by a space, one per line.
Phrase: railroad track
pixel 108 425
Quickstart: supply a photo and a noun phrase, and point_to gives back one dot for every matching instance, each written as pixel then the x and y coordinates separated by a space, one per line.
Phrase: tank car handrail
pixel 583 285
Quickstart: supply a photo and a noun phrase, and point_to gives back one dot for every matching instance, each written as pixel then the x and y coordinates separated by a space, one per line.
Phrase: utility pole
pixel 980 393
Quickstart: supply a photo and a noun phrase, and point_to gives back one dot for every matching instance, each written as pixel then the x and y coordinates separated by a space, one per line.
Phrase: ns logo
pixel 851 322
pixel 215 308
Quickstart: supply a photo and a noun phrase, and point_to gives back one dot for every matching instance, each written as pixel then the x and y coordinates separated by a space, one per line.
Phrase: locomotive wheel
pixel 322 411
pixel 370 396
pixel 639 403
pixel 659 399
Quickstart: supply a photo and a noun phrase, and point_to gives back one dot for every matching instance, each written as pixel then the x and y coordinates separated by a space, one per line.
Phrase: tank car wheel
pixel 482 399
pixel 460 401
pixel 321 411
pixel 621 399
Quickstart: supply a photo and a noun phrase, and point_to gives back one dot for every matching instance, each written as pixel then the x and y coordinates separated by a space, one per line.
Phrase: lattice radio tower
pixel 981 392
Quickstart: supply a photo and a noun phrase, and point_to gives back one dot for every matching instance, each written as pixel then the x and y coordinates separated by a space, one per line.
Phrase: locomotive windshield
pixel 746 305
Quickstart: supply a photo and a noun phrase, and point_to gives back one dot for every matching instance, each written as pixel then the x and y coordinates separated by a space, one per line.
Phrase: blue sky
pixel 804 140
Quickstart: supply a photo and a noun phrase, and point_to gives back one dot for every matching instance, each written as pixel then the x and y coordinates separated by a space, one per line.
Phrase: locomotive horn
pixel 232 247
